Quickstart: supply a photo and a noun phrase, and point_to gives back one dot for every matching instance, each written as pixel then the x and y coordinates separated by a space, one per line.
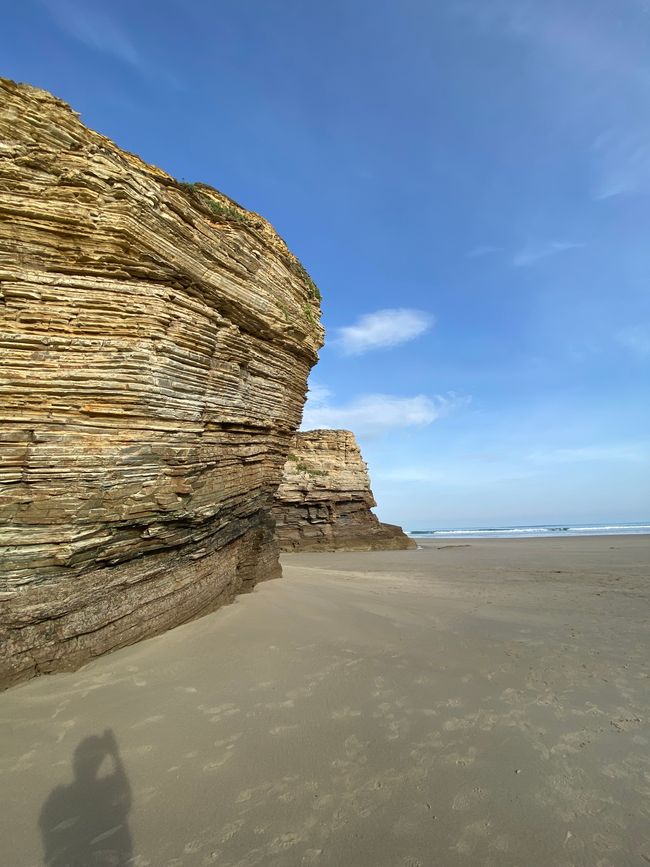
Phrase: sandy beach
pixel 468 703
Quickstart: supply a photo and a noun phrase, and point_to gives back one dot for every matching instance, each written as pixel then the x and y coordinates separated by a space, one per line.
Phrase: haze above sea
pixel 534 531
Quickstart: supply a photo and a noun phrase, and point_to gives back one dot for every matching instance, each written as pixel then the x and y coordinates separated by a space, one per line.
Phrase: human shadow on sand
pixel 85 824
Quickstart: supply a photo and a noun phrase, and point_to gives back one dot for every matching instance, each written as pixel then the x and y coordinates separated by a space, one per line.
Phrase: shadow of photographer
pixel 84 823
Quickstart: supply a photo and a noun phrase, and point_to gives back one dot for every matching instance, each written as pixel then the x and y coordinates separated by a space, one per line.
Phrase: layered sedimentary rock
pixel 155 341
pixel 325 500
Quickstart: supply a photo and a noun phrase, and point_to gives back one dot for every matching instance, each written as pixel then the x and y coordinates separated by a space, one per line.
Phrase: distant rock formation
pixel 324 501
pixel 155 342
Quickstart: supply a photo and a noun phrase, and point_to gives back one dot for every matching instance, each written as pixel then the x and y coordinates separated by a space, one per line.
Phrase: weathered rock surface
pixel 155 342
pixel 324 500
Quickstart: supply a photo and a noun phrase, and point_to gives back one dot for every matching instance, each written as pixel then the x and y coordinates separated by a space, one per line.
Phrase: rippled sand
pixel 482 703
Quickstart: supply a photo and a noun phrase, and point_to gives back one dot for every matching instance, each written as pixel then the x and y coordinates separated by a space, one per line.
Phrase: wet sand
pixel 468 703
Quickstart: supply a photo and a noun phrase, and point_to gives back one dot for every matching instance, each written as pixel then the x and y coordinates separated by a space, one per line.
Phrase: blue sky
pixel 468 181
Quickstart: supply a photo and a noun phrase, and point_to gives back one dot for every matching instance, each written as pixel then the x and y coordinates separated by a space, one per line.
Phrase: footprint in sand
pixel 228 742
pixel 148 721
pixel 283 842
pixel 231 829
pixel 279 730
pixel 65 728
pixel 466 799
pixel 480 828
pixel 500 843
pixel 211 767
pixel 279 705
pixel 344 713
pixel 354 748
pixel 287 797
pixel 461 761
pixel 192 847
pixel 218 709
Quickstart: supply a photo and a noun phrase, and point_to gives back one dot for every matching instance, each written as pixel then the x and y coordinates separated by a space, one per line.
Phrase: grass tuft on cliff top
pixel 237 215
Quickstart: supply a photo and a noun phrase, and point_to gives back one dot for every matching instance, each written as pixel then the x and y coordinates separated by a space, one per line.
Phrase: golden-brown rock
pixel 155 342
pixel 324 500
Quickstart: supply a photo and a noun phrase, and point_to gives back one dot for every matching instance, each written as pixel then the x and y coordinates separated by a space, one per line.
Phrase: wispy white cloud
pixel 515 18
pixel 533 253
pixel 635 452
pixel 462 471
pixel 411 473
pixel 92 25
pixel 481 251
pixel 636 339
pixel 318 395
pixel 372 414
pixel 622 161
pixel 606 56
pixel 456 474
pixel 587 46
pixel 382 330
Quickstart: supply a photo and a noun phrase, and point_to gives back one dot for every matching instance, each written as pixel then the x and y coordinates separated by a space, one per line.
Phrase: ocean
pixel 534 531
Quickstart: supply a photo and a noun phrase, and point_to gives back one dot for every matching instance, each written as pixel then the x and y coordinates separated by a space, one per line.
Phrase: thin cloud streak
pixel 623 164
pixel 636 339
pixel 531 254
pixel 481 251
pixel 382 329
pixel 459 471
pixel 587 45
pixel 318 395
pixel 373 414
pixel 634 452
pixel 455 476
pixel 599 55
pixel 93 27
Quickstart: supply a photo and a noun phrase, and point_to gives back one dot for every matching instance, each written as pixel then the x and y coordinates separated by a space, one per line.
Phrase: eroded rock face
pixel 324 500
pixel 155 342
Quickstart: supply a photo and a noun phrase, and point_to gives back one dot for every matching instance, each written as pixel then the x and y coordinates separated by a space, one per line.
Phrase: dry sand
pixel 481 703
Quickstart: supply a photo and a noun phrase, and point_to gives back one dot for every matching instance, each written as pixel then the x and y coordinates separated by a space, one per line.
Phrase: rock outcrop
pixel 155 342
pixel 324 501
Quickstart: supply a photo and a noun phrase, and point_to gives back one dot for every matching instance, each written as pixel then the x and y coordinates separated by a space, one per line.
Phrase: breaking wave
pixel 536 531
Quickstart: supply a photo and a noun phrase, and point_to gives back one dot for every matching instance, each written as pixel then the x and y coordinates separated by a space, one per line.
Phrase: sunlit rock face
pixel 325 499
pixel 155 342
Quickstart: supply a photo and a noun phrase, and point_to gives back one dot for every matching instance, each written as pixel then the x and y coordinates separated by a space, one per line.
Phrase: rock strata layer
pixel 155 342
pixel 325 500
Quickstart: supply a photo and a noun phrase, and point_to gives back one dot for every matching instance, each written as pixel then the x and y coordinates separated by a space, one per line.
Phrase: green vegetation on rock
pixel 238 215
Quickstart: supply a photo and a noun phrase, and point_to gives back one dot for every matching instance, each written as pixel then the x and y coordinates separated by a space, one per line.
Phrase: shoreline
pixel 473 703
pixel 522 538
pixel 531 538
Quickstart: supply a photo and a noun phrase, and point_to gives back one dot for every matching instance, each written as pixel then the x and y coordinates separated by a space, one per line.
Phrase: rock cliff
pixel 324 500
pixel 155 342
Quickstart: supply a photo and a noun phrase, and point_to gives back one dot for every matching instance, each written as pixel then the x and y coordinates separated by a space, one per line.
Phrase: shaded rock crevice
pixel 324 502
pixel 155 343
